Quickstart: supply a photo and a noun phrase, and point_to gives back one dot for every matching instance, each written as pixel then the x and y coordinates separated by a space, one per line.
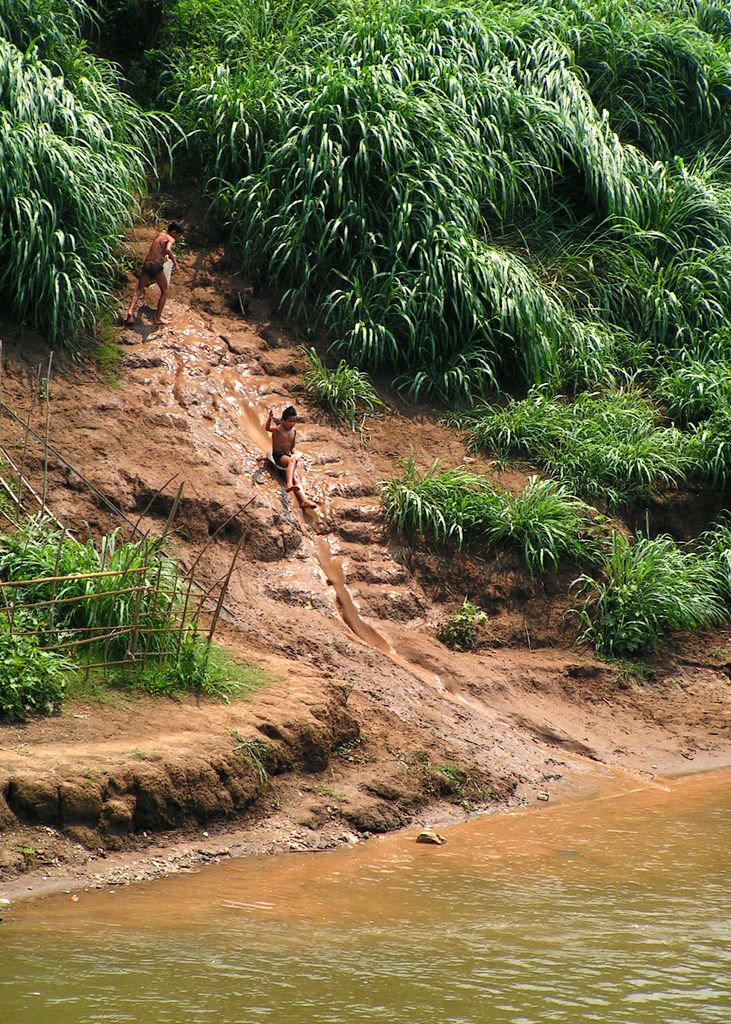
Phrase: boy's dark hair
pixel 176 227
pixel 289 411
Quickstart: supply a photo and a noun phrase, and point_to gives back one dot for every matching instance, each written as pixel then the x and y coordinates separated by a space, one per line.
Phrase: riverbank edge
pixel 275 835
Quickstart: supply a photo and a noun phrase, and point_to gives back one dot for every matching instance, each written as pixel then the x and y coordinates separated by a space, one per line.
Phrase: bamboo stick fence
pixel 160 612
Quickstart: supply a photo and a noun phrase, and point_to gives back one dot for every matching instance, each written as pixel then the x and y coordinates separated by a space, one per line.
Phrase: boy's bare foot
pixel 158 322
pixel 304 502
pixel 128 320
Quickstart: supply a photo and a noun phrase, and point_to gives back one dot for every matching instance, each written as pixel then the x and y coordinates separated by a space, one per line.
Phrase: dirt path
pixel 364 701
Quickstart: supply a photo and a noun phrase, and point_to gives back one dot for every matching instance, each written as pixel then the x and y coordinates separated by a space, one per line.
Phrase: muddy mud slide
pixel 367 721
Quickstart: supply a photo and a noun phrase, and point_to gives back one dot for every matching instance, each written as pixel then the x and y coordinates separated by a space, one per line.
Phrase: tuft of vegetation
pixel 603 446
pixel 545 523
pixel 32 681
pixel 462 628
pixel 648 588
pixel 196 667
pixel 344 392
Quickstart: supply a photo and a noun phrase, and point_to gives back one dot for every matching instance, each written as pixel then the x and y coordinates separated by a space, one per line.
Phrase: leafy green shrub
pixel 344 392
pixel 461 629
pixel 603 445
pixel 31 680
pixel 647 589
pixel 544 522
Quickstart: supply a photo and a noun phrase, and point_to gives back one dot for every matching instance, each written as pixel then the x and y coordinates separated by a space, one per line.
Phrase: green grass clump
pixel 461 629
pixel 344 392
pixel 694 390
pixel 647 589
pixel 32 681
pixel 196 667
pixel 544 523
pixel 603 446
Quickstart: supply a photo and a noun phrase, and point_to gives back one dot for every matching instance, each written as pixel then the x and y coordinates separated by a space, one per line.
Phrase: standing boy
pixel 152 271
pixel 283 440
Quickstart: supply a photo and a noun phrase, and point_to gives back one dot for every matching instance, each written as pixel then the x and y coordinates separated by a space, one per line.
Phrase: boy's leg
pixel 138 293
pixel 162 283
pixel 291 465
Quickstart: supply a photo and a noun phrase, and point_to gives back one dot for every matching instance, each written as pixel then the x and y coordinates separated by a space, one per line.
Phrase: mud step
pixel 396 605
pixel 355 513
pixel 388 573
pixel 354 489
pixel 359 533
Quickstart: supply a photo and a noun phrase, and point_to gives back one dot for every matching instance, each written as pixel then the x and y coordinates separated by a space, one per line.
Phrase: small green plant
pixel 344 392
pixel 330 793
pixel 631 672
pixel 29 854
pixel 32 681
pixel 461 629
pixel 256 752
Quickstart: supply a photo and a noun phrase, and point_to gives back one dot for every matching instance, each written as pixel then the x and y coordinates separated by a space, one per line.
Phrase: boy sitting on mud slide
pixel 283 440
pixel 152 271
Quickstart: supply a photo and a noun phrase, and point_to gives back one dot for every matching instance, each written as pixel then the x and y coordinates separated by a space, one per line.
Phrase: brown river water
pixel 611 908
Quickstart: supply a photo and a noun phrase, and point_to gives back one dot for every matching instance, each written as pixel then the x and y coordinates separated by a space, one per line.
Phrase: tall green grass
pixel 646 589
pixel 479 194
pixel 73 149
pixel 142 590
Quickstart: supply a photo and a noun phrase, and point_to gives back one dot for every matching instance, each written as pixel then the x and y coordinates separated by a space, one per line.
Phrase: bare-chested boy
pixel 152 271
pixel 283 440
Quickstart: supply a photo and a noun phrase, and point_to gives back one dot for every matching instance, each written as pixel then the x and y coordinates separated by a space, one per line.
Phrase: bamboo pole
pixel 44 489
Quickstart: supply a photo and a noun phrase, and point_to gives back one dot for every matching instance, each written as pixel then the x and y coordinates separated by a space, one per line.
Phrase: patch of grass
pixel 344 392
pixel 256 752
pixel 329 792
pixel 630 673
pixel 107 354
pixel 29 853
pixel 545 523
pixel 605 445
pixel 462 628
pixel 647 589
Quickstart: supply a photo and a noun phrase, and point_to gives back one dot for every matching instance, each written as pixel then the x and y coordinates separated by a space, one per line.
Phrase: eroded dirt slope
pixel 341 614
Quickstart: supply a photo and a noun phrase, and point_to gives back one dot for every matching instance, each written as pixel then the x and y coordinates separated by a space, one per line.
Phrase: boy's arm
pixel 268 423
pixel 294 440
pixel 170 242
